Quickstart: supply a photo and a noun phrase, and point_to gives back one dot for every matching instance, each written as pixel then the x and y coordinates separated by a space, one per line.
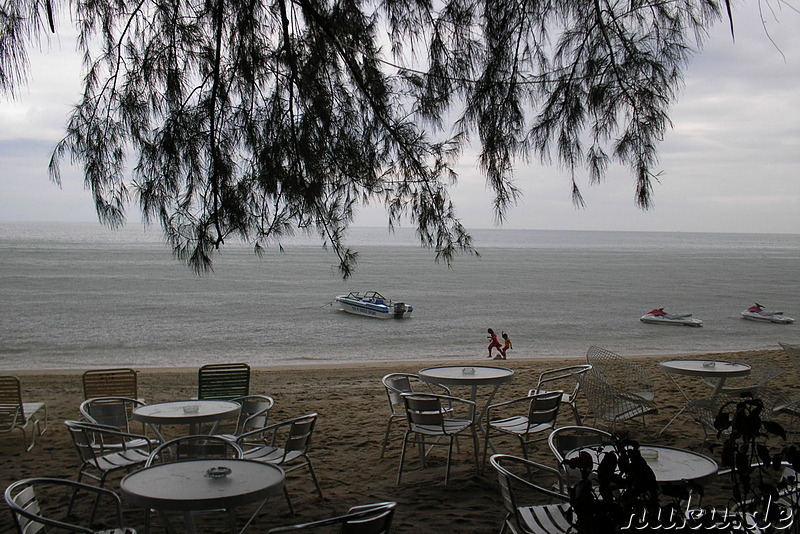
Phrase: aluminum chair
pixel 16 415
pixel 31 514
pixel 427 418
pixel 253 415
pixel 285 444
pixel 396 384
pixel 373 518
pixel 568 438
pixel 116 412
pixel 104 451
pixel 534 424
pixel 567 380
pixel 514 474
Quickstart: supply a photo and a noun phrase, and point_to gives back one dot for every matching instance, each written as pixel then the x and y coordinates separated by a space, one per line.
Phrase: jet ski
pixel 659 316
pixel 759 313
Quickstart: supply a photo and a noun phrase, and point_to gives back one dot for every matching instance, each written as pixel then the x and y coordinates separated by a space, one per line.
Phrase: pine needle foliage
pixel 254 119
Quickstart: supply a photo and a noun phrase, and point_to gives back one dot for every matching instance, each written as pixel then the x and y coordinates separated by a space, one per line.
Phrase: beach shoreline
pixel 353 413
pixel 380 364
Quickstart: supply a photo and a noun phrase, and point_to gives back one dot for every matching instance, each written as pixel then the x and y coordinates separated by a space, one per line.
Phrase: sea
pixel 81 296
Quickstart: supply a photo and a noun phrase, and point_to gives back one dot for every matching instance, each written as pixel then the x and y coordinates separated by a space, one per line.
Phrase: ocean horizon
pixel 80 296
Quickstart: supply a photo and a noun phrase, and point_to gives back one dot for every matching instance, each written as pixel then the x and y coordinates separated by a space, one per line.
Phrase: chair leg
pixel 449 455
pixel 475 441
pixel 288 499
pixel 486 445
pixel 314 477
pixel 386 436
pixel 402 458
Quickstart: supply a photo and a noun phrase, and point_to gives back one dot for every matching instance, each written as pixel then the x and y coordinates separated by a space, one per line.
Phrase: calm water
pixel 81 296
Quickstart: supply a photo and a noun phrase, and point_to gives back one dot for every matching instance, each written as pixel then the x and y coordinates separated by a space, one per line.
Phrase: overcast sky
pixel 731 162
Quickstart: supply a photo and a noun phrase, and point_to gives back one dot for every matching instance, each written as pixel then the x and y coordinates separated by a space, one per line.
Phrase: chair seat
pixel 120 459
pixel 518 425
pixel 451 426
pixel 271 454
pixel 625 410
pixel 545 519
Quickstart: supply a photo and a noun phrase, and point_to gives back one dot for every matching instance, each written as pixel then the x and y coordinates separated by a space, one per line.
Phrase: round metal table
pixel 189 412
pixel 706 369
pixel 187 487
pixel 668 463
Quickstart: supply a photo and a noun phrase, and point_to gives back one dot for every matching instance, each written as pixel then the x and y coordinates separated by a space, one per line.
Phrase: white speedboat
pixel 659 316
pixel 759 313
pixel 373 304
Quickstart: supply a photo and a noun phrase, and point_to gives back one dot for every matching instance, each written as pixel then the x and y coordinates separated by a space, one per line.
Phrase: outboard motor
pixel 399 310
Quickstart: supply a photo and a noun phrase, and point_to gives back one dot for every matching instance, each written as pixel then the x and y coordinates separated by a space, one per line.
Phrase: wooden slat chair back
pixel 121 382
pixel 18 415
pixel 223 381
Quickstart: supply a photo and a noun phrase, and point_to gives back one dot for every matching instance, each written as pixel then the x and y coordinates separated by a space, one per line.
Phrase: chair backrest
pixel 28 511
pixel 543 408
pixel 396 384
pixel 300 433
pixel 567 438
pixel 12 410
pixel 793 354
pixel 562 376
pixel 120 382
pixel 223 381
pixel 254 413
pixel 111 411
pixel 618 371
pixel 193 448
pixel 423 409
pixel 514 472
pixel 85 436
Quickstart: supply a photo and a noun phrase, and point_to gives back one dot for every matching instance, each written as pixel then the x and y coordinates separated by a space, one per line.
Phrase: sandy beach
pixel 353 412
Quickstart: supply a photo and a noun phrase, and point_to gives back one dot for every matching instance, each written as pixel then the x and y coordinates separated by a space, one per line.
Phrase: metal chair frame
pixel 536 519
pixel 373 518
pixel 538 420
pixel 285 444
pixel 26 507
pixel 427 417
pixel 398 384
pixel 563 375
pixel 18 415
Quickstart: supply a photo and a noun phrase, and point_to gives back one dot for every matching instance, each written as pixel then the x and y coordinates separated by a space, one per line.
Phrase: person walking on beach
pixel 506 345
pixel 494 343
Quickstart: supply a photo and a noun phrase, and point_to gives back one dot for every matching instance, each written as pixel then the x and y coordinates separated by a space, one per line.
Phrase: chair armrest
pixel 271 429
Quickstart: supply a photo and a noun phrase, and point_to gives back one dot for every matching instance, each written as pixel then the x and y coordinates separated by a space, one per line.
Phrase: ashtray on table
pixel 218 472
